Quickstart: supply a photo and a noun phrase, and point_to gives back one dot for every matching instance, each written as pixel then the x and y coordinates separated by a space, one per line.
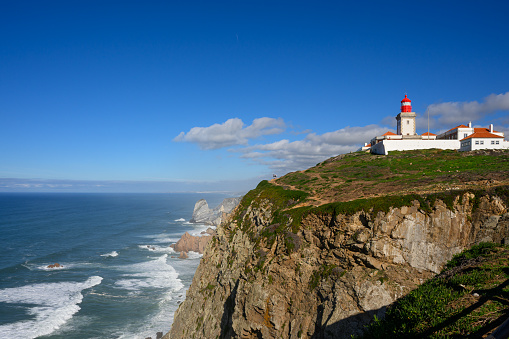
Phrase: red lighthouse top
pixel 406 105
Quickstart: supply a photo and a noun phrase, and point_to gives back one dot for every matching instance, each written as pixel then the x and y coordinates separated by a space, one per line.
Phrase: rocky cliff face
pixel 273 273
pixel 203 214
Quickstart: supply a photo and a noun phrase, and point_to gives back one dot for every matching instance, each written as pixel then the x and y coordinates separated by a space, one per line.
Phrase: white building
pixel 462 138
pixel 462 131
pixel 483 140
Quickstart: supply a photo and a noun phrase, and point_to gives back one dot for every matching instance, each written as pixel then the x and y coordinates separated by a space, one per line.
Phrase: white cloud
pixel 285 156
pixel 231 133
pixel 454 113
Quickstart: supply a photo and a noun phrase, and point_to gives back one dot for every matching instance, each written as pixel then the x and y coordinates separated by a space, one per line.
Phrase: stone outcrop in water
pixel 204 215
pixel 267 274
pixel 55 265
pixel 188 242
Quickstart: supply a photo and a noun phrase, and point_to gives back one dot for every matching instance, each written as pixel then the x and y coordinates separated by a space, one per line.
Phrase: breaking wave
pixel 51 305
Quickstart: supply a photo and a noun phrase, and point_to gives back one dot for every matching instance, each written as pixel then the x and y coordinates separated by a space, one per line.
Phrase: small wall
pixel 385 146
pixel 487 144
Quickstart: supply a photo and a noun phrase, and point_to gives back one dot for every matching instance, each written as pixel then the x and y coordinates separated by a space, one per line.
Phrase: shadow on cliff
pixel 345 328
pixel 354 325
pixel 228 308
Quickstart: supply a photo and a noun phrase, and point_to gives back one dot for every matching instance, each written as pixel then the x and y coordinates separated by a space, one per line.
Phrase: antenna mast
pixel 427 110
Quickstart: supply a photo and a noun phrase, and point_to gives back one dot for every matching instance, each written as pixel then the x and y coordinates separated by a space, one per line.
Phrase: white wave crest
pixel 157 248
pixel 194 255
pixel 63 266
pixel 111 254
pixel 151 274
pixel 55 304
pixel 55 268
pixel 181 219
pixel 163 238
pixel 200 230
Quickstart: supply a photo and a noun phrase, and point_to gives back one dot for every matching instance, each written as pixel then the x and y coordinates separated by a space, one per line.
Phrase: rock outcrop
pixel 188 242
pixel 204 215
pixel 55 265
pixel 274 272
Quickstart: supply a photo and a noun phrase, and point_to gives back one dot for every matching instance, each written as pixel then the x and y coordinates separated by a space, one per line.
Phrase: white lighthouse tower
pixel 406 119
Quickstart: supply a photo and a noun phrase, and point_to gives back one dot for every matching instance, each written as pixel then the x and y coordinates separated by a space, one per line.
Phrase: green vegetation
pixel 468 299
pixel 384 204
pixel 277 195
pixel 208 289
pixel 360 174
pixel 279 200
pixel 323 273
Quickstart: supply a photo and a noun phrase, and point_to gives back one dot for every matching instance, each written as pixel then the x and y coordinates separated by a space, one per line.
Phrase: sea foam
pixel 194 255
pixel 156 273
pixel 163 238
pixel 51 304
pixel 111 254
pixel 157 248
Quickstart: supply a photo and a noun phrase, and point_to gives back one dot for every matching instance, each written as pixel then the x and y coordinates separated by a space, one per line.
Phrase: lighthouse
pixel 406 119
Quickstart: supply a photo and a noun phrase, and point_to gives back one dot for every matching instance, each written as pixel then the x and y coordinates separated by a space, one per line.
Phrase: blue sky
pixel 218 95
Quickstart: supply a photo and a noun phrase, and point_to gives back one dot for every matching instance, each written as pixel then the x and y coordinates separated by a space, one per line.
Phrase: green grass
pixel 280 199
pixel 444 307
pixel 384 204
pixel 406 169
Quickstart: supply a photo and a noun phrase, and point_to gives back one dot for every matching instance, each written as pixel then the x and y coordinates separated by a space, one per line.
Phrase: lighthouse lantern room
pixel 406 105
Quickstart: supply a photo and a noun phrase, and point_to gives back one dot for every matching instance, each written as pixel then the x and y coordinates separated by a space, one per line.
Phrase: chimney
pixel 491 128
pixel 470 124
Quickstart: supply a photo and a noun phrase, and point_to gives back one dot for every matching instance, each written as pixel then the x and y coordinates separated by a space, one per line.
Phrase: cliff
pixel 285 265
pixel 204 215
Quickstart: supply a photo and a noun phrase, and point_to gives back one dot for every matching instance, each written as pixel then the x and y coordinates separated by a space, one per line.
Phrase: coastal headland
pixel 319 253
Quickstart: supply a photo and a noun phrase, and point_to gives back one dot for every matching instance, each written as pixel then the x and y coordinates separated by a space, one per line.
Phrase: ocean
pixel 118 277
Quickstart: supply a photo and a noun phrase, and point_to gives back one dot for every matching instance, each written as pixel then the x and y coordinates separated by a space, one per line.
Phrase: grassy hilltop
pixel 364 175
pixel 363 181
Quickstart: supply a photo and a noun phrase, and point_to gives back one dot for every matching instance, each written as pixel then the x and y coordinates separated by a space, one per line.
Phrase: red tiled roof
pixel 428 133
pixel 389 133
pixel 482 134
pixel 482 129
pixel 460 126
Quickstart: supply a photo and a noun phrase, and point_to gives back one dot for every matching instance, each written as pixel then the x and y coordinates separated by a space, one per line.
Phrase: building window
pixel 493 142
pixel 482 142
pixel 465 135
pixel 408 122
pixel 477 142
pixel 497 142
